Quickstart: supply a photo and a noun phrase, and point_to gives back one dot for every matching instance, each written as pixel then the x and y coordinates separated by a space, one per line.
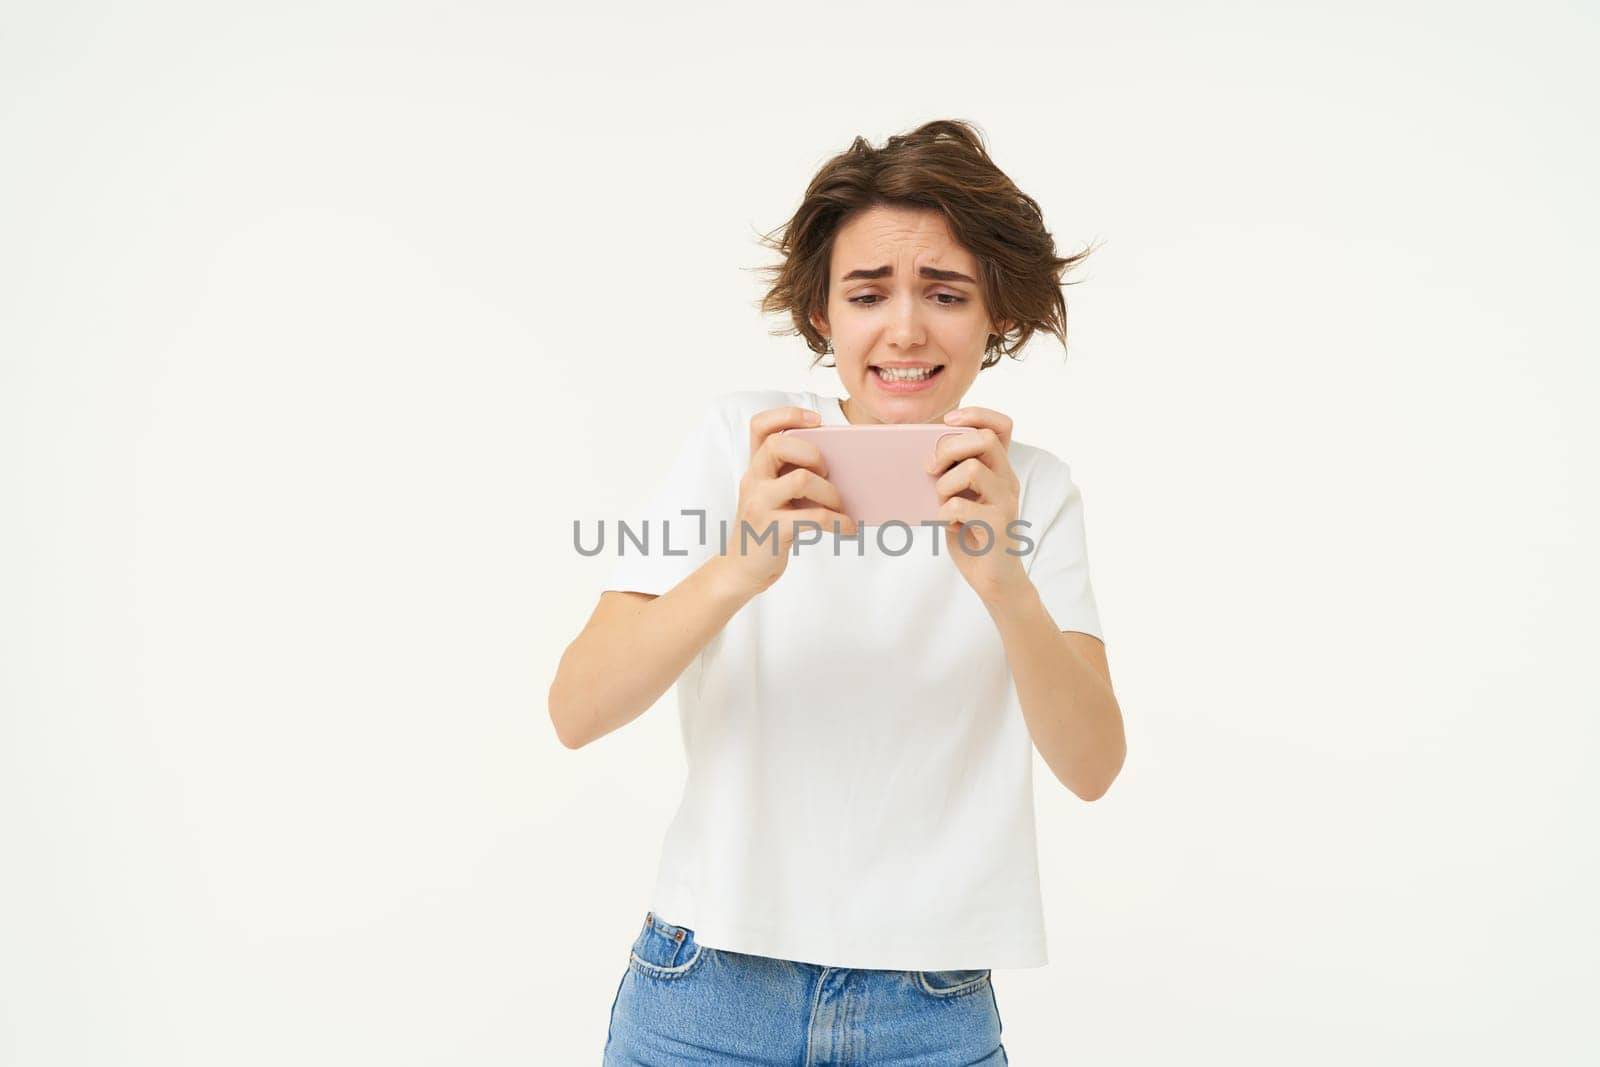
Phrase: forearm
pixel 612 673
pixel 1070 709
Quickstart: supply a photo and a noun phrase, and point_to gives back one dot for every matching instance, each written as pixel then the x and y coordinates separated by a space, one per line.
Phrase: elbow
pixel 562 717
pixel 1095 790
pixel 567 739
pixel 565 734
pixel 1088 796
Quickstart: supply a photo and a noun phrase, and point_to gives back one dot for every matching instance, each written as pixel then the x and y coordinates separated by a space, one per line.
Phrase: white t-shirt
pixel 860 776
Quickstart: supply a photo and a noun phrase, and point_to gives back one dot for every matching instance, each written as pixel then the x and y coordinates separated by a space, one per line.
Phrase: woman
pixel 855 848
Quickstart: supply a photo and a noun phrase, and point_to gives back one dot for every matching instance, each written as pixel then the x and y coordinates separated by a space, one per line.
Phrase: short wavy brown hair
pixel 943 166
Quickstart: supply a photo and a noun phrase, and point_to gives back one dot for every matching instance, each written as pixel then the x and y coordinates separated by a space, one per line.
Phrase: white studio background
pixel 320 324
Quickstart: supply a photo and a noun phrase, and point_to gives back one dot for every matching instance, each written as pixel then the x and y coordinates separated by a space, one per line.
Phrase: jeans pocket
pixel 664 950
pixel 952 983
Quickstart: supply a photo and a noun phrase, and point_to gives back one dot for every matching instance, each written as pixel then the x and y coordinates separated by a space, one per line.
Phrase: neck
pixel 856 417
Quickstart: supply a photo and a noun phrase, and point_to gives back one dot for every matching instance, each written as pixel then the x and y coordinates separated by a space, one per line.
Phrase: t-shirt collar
pixel 832 411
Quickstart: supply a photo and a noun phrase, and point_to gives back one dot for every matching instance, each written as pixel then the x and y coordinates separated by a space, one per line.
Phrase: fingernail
pixel 950 415
pixel 812 416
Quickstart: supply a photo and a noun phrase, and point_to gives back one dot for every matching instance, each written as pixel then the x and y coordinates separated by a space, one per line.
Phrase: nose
pixel 905 327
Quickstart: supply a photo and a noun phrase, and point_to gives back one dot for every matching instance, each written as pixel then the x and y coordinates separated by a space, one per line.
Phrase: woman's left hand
pixel 978 464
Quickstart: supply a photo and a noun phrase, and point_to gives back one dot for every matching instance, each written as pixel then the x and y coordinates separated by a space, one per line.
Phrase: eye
pixel 942 298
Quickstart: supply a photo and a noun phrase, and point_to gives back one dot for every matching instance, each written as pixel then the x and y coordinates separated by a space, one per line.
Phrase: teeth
pixel 916 374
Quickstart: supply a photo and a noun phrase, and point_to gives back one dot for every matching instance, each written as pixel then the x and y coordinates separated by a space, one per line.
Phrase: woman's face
pixel 903 294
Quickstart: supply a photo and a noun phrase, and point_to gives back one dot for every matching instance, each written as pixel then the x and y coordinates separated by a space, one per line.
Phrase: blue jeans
pixel 680 1002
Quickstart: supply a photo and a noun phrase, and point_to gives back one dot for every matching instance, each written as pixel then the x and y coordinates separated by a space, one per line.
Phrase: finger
pixel 781 450
pixel 798 484
pixel 982 417
pixel 826 518
pixel 784 521
pixel 974 477
pixel 947 450
pixel 773 420
pixel 958 510
pixel 983 443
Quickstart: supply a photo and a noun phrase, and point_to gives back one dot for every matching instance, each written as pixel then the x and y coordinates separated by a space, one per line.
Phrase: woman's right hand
pixel 768 489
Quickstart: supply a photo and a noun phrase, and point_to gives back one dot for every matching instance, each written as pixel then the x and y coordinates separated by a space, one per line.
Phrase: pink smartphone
pixel 879 469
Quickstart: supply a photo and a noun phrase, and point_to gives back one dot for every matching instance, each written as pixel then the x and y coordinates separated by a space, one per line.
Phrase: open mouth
pixel 908 375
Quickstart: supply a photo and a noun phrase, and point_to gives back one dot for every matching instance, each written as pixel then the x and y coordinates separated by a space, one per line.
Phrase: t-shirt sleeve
pixel 1059 562
pixel 665 545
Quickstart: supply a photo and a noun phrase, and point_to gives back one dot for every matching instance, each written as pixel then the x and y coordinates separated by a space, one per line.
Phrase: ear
pixel 1002 327
pixel 820 323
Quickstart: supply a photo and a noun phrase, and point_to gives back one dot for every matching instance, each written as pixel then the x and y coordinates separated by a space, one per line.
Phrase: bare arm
pixel 635 646
pixel 1062 678
pixel 1064 686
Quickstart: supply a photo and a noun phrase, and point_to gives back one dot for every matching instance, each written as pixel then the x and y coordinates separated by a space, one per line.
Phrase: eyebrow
pixel 933 273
